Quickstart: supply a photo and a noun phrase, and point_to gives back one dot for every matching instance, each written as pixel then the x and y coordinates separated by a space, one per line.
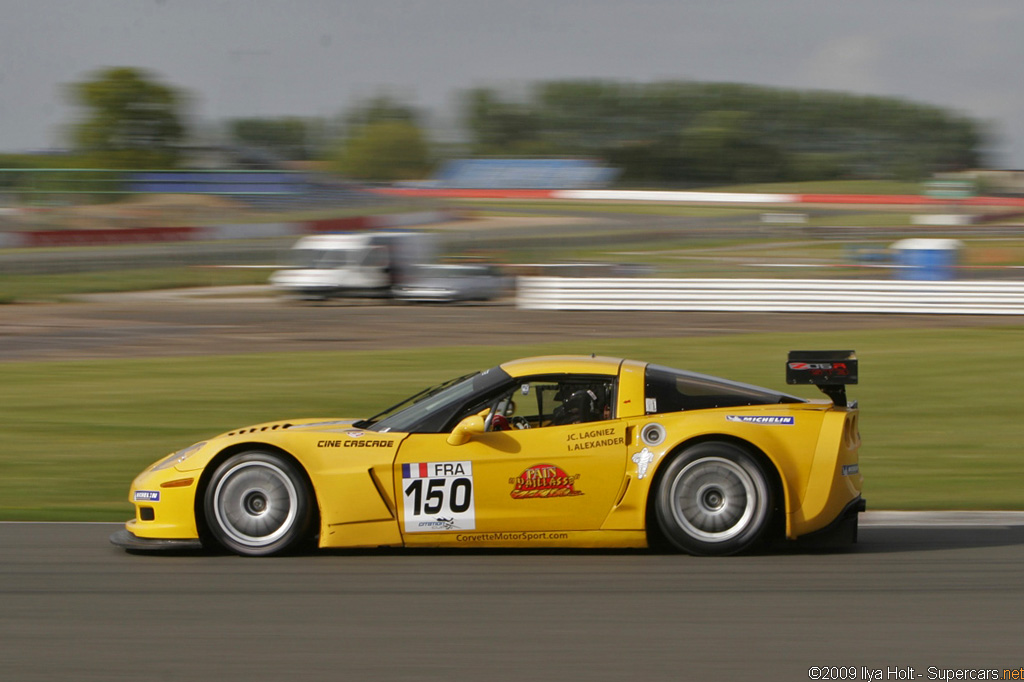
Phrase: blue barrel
pixel 927 259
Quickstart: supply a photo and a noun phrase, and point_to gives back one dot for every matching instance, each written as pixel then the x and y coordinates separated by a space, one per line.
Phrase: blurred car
pixel 448 283
pixel 370 264
pixel 560 451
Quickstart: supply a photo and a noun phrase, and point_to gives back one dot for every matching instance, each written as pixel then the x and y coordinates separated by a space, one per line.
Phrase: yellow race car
pixel 561 451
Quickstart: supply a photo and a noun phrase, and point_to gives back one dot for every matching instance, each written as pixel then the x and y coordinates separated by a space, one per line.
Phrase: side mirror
pixel 466 429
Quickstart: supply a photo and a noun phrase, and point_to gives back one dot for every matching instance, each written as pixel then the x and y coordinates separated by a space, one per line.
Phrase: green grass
pixel 941 410
pixel 14 288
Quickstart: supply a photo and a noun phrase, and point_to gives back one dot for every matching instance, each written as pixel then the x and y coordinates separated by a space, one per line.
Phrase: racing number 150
pixel 438 496
pixel 460 495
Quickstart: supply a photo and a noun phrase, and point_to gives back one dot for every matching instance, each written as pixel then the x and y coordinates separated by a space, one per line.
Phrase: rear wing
pixel 829 370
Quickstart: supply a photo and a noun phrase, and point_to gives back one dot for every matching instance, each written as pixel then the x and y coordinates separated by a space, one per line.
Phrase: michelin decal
pixel 754 419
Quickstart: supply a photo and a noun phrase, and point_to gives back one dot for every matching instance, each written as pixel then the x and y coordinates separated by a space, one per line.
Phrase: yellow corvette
pixel 562 451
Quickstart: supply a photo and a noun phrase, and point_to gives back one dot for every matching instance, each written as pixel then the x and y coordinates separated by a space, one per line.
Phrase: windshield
pixel 318 258
pixel 433 409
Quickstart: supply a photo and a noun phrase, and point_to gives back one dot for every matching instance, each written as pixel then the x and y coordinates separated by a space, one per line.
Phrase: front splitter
pixel 129 541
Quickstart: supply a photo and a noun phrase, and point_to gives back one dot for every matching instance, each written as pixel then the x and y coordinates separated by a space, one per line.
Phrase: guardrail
pixel 771 295
pixel 696 197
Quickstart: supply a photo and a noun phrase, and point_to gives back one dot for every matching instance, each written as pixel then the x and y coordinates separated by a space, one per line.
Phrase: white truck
pixel 365 264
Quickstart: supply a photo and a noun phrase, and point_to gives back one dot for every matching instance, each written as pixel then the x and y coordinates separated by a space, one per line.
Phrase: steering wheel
pixel 520 423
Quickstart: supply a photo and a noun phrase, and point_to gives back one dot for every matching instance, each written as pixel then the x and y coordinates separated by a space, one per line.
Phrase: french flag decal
pixel 414 470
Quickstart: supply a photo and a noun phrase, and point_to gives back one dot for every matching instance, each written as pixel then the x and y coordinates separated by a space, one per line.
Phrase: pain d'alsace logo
pixel 544 480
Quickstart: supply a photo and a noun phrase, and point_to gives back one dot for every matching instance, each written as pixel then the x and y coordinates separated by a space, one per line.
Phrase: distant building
pixel 523 174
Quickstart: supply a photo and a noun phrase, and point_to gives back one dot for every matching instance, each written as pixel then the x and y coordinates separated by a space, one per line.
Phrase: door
pixel 549 460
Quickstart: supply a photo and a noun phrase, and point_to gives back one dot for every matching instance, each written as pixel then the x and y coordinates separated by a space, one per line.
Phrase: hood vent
pixel 258 429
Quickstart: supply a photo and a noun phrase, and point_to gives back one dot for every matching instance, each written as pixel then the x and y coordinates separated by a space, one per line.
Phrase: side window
pixel 376 257
pixel 547 401
pixel 670 390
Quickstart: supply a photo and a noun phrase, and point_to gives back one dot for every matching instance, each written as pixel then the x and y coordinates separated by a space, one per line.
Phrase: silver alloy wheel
pixel 714 499
pixel 255 503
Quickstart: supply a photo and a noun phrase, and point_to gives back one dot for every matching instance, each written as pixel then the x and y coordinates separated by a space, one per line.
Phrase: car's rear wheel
pixel 713 499
pixel 258 504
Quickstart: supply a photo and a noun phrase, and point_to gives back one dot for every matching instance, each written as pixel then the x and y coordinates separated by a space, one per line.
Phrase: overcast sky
pixel 244 58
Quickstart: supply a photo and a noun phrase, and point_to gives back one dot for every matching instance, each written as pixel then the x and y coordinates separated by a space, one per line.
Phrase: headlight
pixel 178 457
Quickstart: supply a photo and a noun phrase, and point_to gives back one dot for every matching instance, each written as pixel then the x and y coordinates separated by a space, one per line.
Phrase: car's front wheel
pixel 258 504
pixel 714 499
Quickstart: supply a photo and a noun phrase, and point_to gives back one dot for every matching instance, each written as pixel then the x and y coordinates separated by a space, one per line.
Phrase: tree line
pixel 664 133
pixel 689 132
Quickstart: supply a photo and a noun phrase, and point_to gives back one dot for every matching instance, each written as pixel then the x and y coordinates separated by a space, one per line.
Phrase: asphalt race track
pixel 73 607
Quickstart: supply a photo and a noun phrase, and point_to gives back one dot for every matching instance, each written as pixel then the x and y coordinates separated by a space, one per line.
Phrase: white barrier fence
pixel 771 295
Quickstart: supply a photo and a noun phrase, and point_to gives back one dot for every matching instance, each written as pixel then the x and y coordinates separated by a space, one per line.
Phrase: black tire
pixel 259 504
pixel 714 499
